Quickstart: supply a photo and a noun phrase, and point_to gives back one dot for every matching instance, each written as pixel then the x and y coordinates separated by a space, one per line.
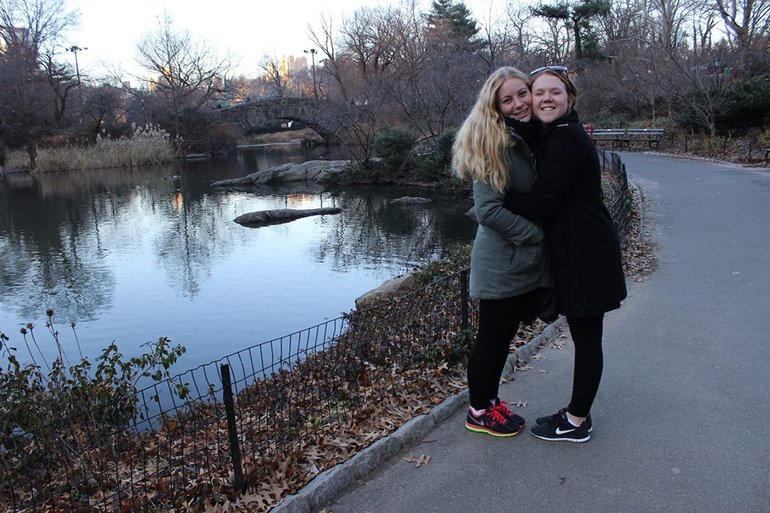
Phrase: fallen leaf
pixel 417 460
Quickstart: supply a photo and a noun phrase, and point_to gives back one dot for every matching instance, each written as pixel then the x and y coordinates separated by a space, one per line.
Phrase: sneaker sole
pixel 544 420
pixel 562 438
pixel 589 429
pixel 481 429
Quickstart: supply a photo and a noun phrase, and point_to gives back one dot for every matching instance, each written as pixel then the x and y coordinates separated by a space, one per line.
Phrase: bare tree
pixel 31 26
pixel 495 33
pixel 333 62
pixel 519 30
pixel 275 75
pixel 32 101
pixel 747 23
pixel 555 42
pixel 690 84
pixel 703 28
pixel 61 81
pixel 368 36
pixel 669 21
pixel 103 107
pixel 623 28
pixel 184 74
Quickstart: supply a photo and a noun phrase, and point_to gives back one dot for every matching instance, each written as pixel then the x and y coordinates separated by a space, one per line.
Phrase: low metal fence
pixel 617 196
pixel 268 417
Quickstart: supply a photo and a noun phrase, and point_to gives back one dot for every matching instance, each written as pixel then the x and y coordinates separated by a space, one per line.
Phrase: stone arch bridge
pixel 256 114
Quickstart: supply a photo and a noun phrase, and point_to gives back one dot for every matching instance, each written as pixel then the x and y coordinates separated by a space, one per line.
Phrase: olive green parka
pixel 509 255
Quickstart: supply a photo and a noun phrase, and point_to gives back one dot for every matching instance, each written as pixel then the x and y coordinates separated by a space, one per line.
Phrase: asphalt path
pixel 682 418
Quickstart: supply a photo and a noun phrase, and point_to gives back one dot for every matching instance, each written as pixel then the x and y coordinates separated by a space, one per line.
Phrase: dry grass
pixel 305 134
pixel 148 146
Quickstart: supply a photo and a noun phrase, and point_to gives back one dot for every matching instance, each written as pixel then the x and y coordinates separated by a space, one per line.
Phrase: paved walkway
pixel 682 419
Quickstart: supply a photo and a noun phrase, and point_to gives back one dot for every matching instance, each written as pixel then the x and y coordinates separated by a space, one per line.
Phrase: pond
pixel 131 255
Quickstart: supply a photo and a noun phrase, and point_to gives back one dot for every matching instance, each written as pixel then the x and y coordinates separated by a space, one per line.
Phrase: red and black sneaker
pixel 502 406
pixel 492 422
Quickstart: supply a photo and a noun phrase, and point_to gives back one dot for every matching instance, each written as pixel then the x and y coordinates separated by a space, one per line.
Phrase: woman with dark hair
pixel 508 266
pixel 583 244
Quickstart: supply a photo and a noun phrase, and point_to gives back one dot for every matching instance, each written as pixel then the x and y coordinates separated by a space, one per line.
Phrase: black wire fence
pixel 617 196
pixel 263 421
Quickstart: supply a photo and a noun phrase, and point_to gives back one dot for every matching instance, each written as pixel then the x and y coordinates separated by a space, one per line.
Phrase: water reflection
pixel 134 254
pixel 372 231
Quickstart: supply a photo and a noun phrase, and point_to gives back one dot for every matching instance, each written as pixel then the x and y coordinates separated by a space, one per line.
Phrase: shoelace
pixel 502 406
pixel 497 416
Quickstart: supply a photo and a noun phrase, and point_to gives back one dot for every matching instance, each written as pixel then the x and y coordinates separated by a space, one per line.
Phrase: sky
pixel 109 31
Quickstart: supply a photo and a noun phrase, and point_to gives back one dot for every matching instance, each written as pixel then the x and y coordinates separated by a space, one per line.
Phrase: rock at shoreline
pixel 283 215
pixel 386 290
pixel 312 170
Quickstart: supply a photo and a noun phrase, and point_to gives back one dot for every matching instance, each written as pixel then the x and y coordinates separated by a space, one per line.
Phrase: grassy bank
pixel 146 146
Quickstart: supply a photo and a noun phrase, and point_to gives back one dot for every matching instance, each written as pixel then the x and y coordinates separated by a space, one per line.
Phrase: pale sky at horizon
pixel 246 30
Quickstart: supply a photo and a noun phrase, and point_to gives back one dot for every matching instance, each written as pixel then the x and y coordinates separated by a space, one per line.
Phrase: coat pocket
pixel 527 257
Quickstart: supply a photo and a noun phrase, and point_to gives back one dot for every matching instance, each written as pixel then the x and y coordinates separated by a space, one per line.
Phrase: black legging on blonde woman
pixel 499 321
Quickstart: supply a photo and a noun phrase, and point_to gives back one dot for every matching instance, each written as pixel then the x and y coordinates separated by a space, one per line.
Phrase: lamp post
pixel 75 49
pixel 312 53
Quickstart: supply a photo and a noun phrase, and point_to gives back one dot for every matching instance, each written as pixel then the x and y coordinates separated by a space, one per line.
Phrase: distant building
pixel 15 40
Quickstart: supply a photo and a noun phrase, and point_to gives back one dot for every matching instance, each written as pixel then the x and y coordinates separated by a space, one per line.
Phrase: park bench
pixel 620 137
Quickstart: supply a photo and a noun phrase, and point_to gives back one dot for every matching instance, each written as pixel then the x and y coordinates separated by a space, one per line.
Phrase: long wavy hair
pixel 480 149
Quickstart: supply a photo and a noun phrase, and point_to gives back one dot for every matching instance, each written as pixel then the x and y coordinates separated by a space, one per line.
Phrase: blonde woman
pixel 508 264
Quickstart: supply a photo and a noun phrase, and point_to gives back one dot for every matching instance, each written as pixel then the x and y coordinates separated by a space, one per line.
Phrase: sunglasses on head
pixel 558 69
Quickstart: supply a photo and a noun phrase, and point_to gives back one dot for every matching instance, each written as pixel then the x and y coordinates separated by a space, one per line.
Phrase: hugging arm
pixel 554 178
pixel 492 214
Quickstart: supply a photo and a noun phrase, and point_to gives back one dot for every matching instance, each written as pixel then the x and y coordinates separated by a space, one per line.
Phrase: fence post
pixel 232 429
pixel 464 299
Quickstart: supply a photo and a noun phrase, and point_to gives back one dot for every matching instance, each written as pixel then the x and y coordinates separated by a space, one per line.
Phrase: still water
pixel 134 254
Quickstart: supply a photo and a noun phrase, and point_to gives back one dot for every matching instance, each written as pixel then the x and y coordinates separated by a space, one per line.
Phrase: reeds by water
pixel 147 146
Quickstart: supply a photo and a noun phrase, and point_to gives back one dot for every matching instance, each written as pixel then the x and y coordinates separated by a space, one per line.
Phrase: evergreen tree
pixel 452 21
pixel 578 17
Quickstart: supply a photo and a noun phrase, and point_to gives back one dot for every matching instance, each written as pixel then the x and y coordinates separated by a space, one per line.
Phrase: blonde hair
pixel 480 147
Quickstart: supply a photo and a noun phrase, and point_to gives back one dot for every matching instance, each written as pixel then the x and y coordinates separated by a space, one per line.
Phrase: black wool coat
pixel 583 242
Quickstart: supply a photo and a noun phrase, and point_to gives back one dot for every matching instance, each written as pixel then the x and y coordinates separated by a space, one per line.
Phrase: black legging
pixel 499 321
pixel 589 362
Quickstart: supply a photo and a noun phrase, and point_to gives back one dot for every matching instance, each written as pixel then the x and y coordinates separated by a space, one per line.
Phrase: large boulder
pixel 312 170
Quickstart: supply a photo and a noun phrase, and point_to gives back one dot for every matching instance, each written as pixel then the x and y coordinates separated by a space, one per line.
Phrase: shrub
pixel 442 148
pixel 102 393
pixel 744 105
pixel 394 147
pixel 435 165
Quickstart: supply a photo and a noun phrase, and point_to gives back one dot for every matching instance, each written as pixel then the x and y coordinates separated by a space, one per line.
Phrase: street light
pixel 312 53
pixel 75 49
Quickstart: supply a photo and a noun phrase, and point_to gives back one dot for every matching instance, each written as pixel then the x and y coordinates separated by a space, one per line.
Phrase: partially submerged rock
pixel 410 200
pixel 283 215
pixel 312 170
